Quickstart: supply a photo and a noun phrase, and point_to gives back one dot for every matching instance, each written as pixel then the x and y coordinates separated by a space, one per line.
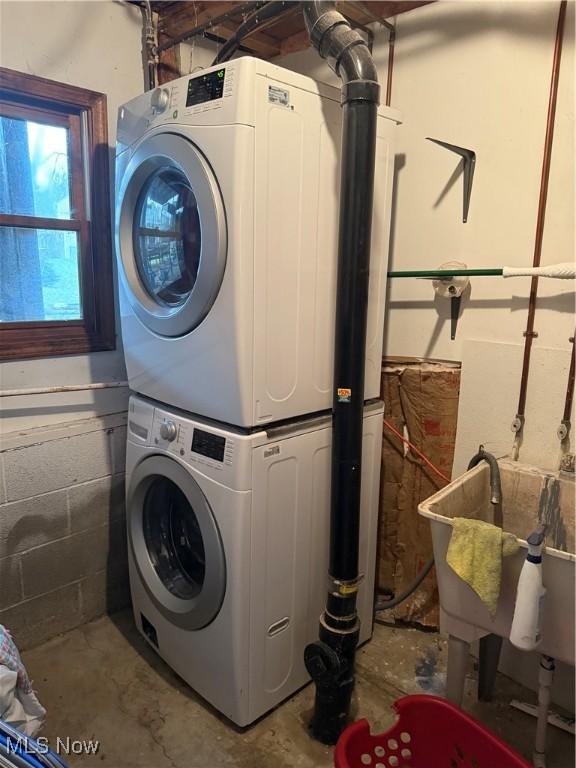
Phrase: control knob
pixel 160 99
pixel 168 431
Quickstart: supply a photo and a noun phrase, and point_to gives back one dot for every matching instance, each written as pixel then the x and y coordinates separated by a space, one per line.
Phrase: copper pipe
pixel 391 41
pixel 570 385
pixel 529 332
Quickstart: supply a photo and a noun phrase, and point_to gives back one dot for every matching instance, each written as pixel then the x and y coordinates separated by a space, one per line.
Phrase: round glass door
pixel 167 237
pixel 175 543
pixel 174 539
pixel 171 235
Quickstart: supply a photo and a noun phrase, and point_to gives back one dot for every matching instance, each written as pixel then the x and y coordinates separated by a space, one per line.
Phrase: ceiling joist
pixel 276 37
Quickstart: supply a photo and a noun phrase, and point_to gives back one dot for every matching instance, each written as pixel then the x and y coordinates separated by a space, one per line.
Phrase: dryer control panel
pixel 219 95
pixel 204 88
pixel 189 96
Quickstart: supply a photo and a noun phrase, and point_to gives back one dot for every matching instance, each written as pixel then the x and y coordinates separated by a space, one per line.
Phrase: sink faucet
pixel 495 483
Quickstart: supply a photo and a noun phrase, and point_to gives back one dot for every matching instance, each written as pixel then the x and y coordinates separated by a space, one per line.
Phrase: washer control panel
pixel 200 445
pixel 168 431
pixel 207 448
pixel 207 444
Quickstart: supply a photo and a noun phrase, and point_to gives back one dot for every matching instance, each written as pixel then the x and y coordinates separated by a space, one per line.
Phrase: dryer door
pixel 176 543
pixel 171 234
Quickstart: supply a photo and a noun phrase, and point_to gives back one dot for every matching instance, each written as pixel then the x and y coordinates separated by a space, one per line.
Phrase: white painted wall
pixel 94 45
pixel 477 74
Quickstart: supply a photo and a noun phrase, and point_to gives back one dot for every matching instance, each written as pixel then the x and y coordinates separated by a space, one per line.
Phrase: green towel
pixel 475 552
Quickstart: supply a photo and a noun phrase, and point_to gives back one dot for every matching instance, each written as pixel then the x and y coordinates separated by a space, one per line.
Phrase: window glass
pixel 56 287
pixel 167 237
pixel 40 279
pixel 34 172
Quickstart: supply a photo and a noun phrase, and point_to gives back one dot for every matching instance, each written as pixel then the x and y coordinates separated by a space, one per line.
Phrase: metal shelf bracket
pixel 469 163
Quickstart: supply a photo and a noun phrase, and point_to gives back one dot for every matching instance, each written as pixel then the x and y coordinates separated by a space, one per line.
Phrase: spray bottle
pixel 527 622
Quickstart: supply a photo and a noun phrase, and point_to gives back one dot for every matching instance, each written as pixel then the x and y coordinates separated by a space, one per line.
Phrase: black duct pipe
pixel 268 11
pixel 330 660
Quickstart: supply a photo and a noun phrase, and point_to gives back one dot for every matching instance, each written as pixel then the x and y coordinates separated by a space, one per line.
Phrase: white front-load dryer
pixel 227 187
pixel 228 548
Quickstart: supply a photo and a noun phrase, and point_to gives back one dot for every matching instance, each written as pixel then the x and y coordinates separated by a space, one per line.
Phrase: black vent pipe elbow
pixel 331 660
pixel 344 49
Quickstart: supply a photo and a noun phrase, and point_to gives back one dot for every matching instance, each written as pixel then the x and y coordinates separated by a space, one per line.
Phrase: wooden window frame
pixel 84 113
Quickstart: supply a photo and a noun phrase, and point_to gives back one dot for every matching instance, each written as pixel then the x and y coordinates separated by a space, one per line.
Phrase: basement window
pixel 56 290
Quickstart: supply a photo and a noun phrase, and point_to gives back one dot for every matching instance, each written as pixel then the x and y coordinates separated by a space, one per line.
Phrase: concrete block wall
pixel 62 527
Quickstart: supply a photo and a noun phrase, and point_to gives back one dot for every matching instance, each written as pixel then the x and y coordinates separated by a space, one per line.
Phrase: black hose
pixel 266 12
pixel 389 604
pixel 496 500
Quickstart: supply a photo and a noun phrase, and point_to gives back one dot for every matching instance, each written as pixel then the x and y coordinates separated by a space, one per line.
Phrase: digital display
pixel 205 88
pixel 207 444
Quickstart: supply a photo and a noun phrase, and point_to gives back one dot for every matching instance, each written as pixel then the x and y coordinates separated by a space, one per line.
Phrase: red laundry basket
pixel 429 733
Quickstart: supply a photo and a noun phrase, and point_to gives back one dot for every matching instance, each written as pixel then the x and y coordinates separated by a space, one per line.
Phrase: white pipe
pixel 63 388
pixel 565 271
pixel 545 679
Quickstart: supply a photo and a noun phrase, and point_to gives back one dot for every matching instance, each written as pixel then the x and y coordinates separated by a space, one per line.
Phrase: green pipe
pixel 439 274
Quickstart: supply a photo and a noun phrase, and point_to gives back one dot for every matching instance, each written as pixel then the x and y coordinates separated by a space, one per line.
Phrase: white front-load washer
pixel 227 189
pixel 228 548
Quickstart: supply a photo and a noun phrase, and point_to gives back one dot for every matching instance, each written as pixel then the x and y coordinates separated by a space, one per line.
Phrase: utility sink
pixel 530 496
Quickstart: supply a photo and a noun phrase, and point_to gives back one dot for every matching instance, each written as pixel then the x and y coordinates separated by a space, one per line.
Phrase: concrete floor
pixel 103 682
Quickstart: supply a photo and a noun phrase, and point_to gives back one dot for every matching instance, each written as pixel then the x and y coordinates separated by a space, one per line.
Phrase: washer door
pixel 171 234
pixel 176 543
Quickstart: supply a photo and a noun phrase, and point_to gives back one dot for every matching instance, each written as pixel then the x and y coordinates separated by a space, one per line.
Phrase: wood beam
pixel 277 21
pixel 175 22
pixel 178 17
pixel 300 41
pixel 377 9
pixel 385 9
pixel 187 15
pixel 256 41
pixel 168 62
pixel 354 12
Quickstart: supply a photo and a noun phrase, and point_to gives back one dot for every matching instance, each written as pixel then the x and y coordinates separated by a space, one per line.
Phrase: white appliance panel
pixel 264 350
pixel 269 494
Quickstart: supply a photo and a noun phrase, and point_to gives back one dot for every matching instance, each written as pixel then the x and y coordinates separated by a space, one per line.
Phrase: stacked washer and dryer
pixel 227 221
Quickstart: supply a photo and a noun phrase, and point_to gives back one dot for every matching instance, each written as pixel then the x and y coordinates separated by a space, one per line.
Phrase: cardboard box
pixel 421 400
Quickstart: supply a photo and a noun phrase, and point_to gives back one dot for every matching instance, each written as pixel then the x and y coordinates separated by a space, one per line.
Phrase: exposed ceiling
pixel 277 37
